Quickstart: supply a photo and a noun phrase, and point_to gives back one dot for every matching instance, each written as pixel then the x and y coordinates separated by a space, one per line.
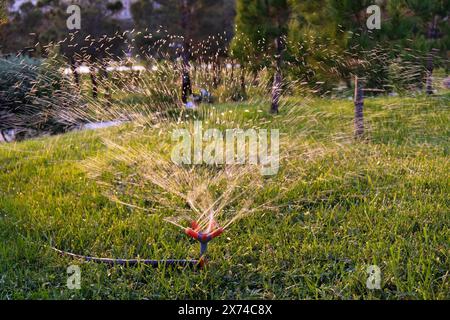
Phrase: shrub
pixel 31 95
pixel 17 78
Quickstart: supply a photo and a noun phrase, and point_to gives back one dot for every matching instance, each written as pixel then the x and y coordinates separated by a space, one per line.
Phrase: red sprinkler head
pixel 203 238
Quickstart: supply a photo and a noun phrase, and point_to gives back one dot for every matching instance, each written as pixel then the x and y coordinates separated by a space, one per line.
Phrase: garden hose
pixel 193 232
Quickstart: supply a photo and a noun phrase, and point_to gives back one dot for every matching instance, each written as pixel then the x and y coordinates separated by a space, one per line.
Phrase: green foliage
pixel 17 79
pixel 100 36
pixel 32 28
pixel 328 40
pixel 209 18
pixel 258 24
pixel 31 95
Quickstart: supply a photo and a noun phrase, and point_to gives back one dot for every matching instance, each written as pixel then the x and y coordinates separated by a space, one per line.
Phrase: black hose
pixel 133 262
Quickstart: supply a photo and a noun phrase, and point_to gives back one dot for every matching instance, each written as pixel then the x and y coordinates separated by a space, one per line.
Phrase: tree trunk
pixel 94 83
pixel 278 77
pixel 73 67
pixel 186 87
pixel 359 106
pixel 429 77
pixel 215 71
pixel 276 91
pixel 232 71
pixel 433 33
pixel 243 88
pixel 215 80
pixel 104 83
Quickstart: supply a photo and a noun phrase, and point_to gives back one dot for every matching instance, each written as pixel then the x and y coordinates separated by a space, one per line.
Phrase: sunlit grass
pixel 350 204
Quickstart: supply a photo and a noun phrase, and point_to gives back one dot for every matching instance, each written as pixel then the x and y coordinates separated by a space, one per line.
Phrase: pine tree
pixel 316 45
pixel 260 40
pixel 433 20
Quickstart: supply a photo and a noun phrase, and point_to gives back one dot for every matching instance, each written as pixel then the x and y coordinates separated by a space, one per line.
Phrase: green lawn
pixel 383 201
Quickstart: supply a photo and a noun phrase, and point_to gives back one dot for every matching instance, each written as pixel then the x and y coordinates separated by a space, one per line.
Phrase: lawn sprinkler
pixel 203 200
pixel 203 237
pixel 193 231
